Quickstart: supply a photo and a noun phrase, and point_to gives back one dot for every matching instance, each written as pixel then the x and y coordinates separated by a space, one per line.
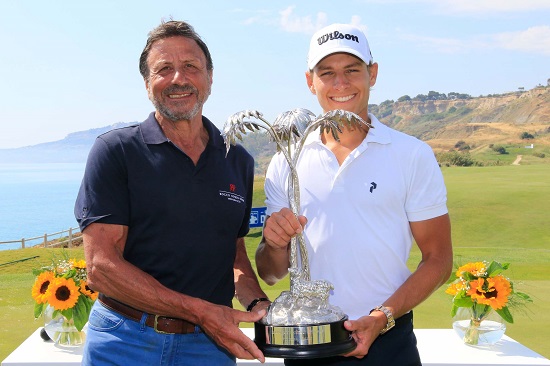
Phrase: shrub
pixel 462 145
pixel 526 135
pixel 499 149
pixel 456 158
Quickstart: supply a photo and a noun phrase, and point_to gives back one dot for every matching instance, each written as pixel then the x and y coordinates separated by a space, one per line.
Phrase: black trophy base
pixel 304 341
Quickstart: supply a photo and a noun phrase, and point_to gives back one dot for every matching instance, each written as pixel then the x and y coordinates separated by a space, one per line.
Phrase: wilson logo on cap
pixel 338 38
pixel 336 35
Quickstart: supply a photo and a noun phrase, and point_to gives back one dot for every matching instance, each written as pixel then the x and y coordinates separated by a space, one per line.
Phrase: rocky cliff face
pixel 491 119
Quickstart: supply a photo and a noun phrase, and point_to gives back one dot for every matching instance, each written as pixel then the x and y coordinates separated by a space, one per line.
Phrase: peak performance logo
pixel 372 187
pixel 336 35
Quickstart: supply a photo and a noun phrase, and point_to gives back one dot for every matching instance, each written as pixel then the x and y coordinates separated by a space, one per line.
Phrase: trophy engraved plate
pixel 300 323
pixel 301 335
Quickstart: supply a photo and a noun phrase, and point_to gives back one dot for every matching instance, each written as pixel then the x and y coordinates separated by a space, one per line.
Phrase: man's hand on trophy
pixel 221 323
pixel 364 331
pixel 281 226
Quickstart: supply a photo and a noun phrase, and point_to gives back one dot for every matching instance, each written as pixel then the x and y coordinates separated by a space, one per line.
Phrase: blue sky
pixel 67 66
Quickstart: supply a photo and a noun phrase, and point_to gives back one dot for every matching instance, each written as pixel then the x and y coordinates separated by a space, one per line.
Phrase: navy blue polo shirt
pixel 183 220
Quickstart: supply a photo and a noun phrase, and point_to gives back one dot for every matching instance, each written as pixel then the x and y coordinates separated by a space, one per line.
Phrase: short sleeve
pixel 103 194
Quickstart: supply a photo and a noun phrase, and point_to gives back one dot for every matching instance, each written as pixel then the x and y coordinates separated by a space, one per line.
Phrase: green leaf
pixel 38 309
pixel 463 302
pixel 71 273
pixel 454 309
pixel 80 313
pixel 38 271
pixel 67 313
pixel 524 296
pixel 505 314
pixel 496 268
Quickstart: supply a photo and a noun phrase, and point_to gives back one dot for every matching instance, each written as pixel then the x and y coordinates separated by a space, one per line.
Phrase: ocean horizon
pixel 37 199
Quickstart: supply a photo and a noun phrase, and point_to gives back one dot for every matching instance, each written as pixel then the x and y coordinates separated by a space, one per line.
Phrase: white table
pixel 438 347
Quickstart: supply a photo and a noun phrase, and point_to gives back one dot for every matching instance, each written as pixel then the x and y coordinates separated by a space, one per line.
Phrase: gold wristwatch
pixel 389 316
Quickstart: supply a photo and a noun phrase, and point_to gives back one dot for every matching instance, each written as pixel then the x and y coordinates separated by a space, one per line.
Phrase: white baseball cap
pixel 338 38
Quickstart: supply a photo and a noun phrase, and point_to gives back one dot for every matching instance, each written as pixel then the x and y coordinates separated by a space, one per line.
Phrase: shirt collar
pixel 153 135
pixel 380 133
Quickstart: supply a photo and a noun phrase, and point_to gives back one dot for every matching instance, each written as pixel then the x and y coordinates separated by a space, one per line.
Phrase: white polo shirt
pixel 358 235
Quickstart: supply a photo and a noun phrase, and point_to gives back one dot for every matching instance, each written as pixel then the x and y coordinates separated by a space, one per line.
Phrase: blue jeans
pixel 113 339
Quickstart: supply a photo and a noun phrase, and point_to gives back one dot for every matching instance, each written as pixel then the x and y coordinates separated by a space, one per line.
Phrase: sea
pixel 37 199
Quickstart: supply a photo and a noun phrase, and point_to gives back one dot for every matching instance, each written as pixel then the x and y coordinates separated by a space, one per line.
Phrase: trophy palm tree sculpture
pixel 300 322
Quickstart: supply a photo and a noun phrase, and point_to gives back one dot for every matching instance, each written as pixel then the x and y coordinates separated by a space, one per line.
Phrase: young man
pixel 365 198
pixel 163 243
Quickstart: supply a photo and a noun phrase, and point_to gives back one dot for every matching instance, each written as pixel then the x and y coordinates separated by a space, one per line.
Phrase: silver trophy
pixel 300 323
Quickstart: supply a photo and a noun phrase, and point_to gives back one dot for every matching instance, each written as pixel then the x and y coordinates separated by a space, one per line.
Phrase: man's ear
pixel 309 80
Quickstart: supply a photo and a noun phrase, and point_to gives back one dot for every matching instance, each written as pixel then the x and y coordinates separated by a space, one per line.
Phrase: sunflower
pixel 492 291
pixel 78 264
pixel 456 287
pixel 88 291
pixel 40 287
pixel 477 269
pixel 62 293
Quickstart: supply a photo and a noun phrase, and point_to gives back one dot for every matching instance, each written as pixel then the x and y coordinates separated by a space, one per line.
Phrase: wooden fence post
pixel 23 243
pixel 45 240
pixel 70 237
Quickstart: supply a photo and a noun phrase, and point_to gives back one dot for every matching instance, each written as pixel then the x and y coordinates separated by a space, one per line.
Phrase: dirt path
pixel 518 159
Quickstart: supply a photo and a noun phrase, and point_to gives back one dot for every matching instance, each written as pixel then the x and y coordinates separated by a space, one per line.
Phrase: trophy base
pixel 304 341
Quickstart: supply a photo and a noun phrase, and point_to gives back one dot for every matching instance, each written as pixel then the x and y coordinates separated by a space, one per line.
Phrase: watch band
pixel 255 301
pixel 389 316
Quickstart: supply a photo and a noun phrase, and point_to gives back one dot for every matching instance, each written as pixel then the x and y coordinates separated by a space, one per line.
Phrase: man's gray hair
pixel 169 29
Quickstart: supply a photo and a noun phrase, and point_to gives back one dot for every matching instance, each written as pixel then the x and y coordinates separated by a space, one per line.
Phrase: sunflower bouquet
pixel 62 286
pixel 481 288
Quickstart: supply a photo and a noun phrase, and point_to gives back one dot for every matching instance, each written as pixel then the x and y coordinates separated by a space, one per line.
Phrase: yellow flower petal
pixel 40 287
pixel 62 293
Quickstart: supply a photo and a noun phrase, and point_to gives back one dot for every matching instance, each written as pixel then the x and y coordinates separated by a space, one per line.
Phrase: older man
pixel 163 214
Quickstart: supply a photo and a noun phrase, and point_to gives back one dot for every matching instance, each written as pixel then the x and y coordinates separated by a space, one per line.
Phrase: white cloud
pixel 443 45
pixel 491 6
pixel 533 40
pixel 253 20
pixel 294 24
pixel 474 6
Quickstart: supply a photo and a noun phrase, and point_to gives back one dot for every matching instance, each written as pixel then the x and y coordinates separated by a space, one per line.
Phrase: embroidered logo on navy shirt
pixel 231 195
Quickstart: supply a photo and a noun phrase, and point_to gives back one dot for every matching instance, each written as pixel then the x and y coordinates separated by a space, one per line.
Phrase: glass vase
pixel 481 330
pixel 62 330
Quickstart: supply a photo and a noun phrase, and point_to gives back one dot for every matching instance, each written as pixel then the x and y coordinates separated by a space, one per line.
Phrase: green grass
pixel 498 213
pixel 488 156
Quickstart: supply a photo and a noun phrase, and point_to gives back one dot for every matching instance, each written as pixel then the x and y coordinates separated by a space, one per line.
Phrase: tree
pixel 462 145
pixel 404 98
pixel 499 149
pixel 526 135
pixel 433 95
